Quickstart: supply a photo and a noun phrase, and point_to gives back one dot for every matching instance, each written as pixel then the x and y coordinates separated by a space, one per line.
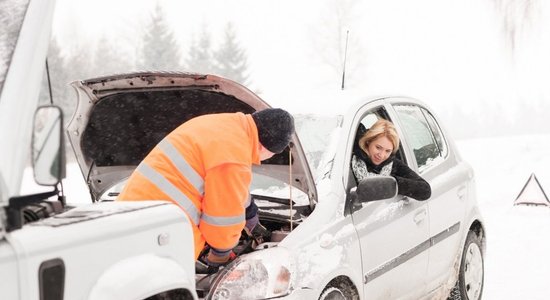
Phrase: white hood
pixel 120 118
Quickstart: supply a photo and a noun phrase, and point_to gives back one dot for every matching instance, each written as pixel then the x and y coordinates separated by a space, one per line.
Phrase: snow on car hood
pixel 120 118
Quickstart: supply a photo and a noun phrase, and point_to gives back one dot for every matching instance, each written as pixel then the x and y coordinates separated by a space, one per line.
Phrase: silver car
pixel 332 237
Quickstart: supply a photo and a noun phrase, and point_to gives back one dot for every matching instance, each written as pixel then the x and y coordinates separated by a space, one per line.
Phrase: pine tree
pixel 109 60
pixel 199 59
pixel 160 51
pixel 231 61
pixel 59 79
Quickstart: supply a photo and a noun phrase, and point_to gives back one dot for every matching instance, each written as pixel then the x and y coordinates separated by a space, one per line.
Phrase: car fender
pixel 347 272
pixel 317 273
pixel 140 277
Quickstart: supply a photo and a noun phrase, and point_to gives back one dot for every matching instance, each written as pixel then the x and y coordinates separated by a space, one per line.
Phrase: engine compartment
pixel 276 216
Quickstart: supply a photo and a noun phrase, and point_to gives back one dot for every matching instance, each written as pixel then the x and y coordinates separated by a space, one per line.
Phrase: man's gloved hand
pixel 257 231
pixel 217 259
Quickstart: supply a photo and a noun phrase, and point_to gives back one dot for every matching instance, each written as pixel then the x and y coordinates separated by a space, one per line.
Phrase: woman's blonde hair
pixel 380 128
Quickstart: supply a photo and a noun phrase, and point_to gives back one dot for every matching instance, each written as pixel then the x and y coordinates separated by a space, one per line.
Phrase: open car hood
pixel 120 118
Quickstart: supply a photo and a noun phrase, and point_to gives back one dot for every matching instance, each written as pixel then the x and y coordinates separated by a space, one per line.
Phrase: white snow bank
pixel 517 263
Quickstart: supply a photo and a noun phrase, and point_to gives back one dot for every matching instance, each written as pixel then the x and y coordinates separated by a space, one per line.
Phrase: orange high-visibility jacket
pixel 205 167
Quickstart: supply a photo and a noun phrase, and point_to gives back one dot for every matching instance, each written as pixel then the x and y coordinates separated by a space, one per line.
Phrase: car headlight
pixel 258 275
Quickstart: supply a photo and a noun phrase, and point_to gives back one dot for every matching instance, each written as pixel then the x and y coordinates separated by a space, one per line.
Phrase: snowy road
pixel 518 250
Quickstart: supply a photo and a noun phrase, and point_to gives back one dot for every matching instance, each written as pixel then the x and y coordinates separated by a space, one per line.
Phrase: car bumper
pixel 300 294
pixel 296 295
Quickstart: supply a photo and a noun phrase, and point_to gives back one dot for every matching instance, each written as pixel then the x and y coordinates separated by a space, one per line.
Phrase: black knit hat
pixel 275 128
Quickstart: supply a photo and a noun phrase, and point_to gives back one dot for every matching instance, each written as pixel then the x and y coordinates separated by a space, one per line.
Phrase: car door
pixel 436 162
pixel 393 235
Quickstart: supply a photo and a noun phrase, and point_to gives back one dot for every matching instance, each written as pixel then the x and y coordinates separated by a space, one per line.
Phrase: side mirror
pixel 376 188
pixel 48 157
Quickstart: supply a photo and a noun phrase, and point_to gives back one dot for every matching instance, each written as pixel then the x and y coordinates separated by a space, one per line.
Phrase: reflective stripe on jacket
pixel 203 166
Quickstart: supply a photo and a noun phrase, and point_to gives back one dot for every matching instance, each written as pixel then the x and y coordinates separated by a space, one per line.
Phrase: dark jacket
pixel 409 183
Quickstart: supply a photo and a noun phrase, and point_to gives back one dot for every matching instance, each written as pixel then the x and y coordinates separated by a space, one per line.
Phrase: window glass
pixel 316 133
pixel 366 122
pixel 438 135
pixel 369 120
pixel 419 135
pixel 12 13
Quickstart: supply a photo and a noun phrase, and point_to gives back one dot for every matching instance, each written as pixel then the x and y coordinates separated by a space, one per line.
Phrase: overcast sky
pixel 444 52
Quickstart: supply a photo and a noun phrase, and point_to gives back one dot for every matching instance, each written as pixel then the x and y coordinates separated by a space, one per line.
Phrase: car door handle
pixel 419 216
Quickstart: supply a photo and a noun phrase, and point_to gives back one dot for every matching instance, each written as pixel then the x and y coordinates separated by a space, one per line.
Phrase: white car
pixel 332 238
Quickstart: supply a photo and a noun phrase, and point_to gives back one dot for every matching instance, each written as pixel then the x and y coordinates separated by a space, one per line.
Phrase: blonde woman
pixel 375 156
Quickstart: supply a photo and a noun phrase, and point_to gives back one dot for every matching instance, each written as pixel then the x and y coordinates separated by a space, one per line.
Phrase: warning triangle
pixel 532 193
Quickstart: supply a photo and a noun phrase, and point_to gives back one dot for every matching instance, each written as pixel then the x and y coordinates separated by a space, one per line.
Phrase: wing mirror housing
pixel 376 188
pixel 372 189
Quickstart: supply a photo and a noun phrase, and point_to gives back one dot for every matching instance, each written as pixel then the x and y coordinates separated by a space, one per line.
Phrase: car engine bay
pixel 275 216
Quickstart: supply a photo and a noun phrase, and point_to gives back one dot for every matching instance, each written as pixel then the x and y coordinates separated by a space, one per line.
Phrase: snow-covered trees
pixel 156 47
pixel 199 58
pixel 109 59
pixel 60 77
pixel 230 58
pixel 160 51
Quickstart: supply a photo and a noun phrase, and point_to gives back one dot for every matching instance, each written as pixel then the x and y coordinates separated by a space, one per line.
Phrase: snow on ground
pixel 76 190
pixel 517 263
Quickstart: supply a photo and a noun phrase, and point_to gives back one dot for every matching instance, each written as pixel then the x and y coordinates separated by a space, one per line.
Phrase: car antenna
pixel 49 82
pixel 345 57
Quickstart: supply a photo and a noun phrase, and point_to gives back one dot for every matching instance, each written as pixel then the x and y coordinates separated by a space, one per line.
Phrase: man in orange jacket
pixel 205 167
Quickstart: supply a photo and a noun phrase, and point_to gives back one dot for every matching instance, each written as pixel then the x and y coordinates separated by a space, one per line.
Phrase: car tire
pixel 470 277
pixel 341 291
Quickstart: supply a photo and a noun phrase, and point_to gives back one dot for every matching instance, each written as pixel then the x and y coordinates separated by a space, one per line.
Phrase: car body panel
pixel 88 230
pixel 120 281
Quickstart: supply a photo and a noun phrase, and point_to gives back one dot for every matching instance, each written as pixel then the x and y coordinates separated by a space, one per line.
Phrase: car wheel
pixel 470 278
pixel 339 290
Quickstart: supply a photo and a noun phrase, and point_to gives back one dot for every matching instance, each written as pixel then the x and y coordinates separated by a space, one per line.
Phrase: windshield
pixel 12 13
pixel 314 132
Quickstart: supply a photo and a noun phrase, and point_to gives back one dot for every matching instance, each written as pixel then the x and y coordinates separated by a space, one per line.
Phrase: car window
pixel 12 14
pixel 367 120
pixel 438 135
pixel 316 133
pixel 420 136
